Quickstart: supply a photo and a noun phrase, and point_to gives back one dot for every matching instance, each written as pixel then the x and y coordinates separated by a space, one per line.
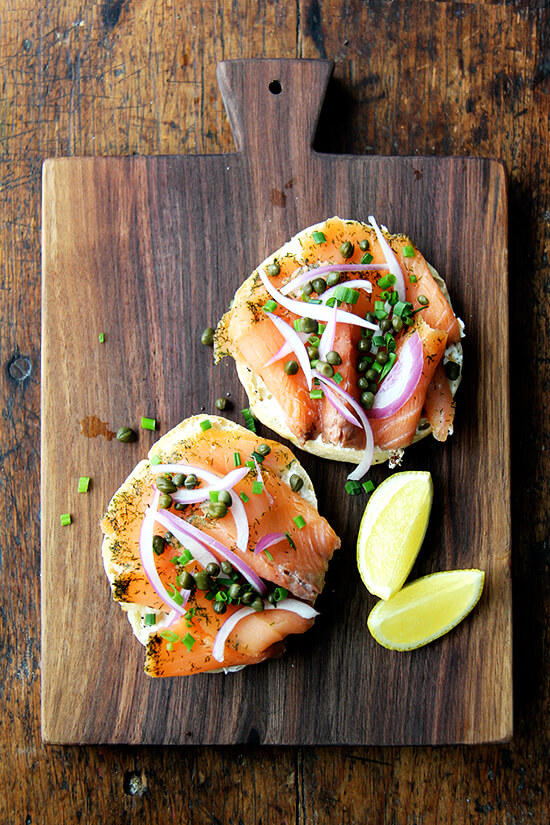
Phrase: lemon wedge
pixel 425 609
pixel 392 531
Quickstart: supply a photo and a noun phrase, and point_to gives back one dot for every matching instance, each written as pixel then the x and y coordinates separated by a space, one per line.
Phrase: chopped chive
pixel 237 461
pixel 297 324
pixel 289 539
pixel 393 298
pixel 319 237
pixel 314 301
pixel 385 295
pixel 176 595
pixel 83 484
pixel 314 340
pixel 338 378
pixel 150 618
pixel 280 593
pixel 258 456
pixel 346 294
pixel 250 464
pixel 169 646
pixel 413 279
pixel 188 641
pixel 221 596
pixel 185 557
pixel 353 488
pixel 148 424
pixel 170 636
pixel 316 394
pixel 270 306
pixel 213 495
pixel 408 251
pixel 387 280
pixel 244 497
pixel 321 328
pixel 257 487
pixel 331 301
pixel 368 486
pixel 249 419
pixel 210 595
pixel 378 341
pixel 377 367
pixel 156 460
pixel 402 308
pixel 299 521
pixel 205 425
pixel 390 342
pixel 268 554
pixel 66 519
pixel 392 358
pixel 101 337
pixel 367 258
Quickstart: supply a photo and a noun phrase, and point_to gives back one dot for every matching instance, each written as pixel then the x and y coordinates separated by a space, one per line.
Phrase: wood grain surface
pixel 150 251
pixel 431 78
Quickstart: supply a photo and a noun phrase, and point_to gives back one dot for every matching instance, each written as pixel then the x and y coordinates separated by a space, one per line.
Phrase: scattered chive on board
pixel 83 484
pixel 353 488
pixel 101 337
pixel 148 423
pixel 65 519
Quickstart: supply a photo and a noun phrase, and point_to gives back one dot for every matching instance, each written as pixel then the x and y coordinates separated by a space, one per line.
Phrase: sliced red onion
pixel 306 611
pixel 291 336
pixel 358 284
pixel 226 482
pixel 237 508
pixel 286 349
pixel 260 478
pixel 316 272
pixel 402 380
pixel 177 525
pixel 326 344
pixel 319 312
pixel 392 261
pixel 268 541
pixel 340 407
pixel 147 556
pixel 368 454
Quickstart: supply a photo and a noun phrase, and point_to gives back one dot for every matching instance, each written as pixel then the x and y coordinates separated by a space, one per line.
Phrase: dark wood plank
pixel 149 251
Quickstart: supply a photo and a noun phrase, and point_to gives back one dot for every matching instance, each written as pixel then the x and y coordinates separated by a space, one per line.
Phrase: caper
pixel 422 300
pixel 382 357
pixel 367 400
pixel 325 369
pixel 207 337
pixel 263 449
pixel 203 580
pixel 452 370
pixel 363 383
pixel 319 285
pixel 178 479
pixel 397 323
pixel 165 485
pixel 168 537
pixel 219 607
pixel 272 598
pixel 291 367
pixel 364 245
pixel 385 325
pixel 235 591
pixel 372 375
pixel 186 580
pixel 227 568
pixel 165 501
pixel 307 289
pixel 257 604
pixel 370 317
pixel 126 435
pixel 248 597
pixel 273 269
pixel 346 250
pixel 179 505
pixel 158 545
pixel 333 278
pixel 213 569
pixel 363 345
pixel 217 509
pixel 296 482
pixel 363 364
pixel 373 387
pixel 333 357
pixel 191 481
pixel 313 353
pixel 308 325
pixel 220 403
pixel 224 497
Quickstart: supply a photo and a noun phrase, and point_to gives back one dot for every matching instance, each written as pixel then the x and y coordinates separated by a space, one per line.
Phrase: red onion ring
pixel 291 336
pixel 268 541
pixel 392 261
pixel 226 482
pixel 304 277
pixel 306 611
pixel 286 349
pixel 368 454
pixel 174 523
pixel 402 380
pixel 337 404
pixel 319 312
pixel 358 284
pixel 147 556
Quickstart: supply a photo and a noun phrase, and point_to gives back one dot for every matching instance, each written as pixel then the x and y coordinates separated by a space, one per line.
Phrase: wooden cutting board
pixel 149 251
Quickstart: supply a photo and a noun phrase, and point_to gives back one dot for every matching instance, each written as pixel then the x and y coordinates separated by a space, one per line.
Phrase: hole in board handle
pixel 275 87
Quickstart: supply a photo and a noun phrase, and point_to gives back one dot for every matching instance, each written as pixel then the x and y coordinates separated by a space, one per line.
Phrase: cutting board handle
pixel 273 105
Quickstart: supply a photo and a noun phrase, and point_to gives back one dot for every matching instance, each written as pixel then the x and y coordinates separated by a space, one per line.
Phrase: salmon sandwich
pixel 346 343
pixel 214 548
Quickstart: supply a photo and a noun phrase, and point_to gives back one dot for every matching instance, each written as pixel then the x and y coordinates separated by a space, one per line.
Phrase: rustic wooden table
pixel 429 78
